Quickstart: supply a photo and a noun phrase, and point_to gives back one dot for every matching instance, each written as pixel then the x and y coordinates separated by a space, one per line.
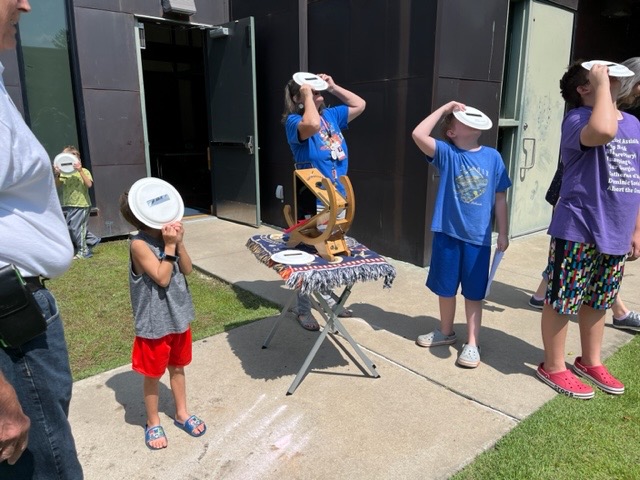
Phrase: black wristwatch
pixel 171 258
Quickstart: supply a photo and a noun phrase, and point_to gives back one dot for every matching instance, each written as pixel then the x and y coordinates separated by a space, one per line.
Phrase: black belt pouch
pixel 21 318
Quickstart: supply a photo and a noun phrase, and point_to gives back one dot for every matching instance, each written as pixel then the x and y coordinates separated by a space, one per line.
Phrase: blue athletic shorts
pixel 455 262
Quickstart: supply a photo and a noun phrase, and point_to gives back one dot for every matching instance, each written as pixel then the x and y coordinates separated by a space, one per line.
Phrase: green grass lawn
pixel 574 439
pixel 566 439
pixel 93 297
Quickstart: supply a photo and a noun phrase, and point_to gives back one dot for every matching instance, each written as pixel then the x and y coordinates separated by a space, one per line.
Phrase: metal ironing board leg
pixel 332 324
pixel 285 309
pixel 336 325
pixel 307 361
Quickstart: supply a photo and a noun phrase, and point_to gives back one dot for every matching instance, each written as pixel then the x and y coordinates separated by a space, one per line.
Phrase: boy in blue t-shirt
pixel 473 184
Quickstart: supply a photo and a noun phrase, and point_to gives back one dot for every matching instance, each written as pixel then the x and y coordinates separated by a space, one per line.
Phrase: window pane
pixel 49 93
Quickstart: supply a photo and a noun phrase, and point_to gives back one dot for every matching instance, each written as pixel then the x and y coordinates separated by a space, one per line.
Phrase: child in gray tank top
pixel 162 311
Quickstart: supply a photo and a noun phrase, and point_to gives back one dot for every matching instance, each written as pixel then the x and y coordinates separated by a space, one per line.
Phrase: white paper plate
pixel 155 202
pixel 65 161
pixel 312 79
pixel 615 69
pixel 293 257
pixel 474 118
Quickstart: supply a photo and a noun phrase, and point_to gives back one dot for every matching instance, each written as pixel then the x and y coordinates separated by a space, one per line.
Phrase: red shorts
pixel 150 357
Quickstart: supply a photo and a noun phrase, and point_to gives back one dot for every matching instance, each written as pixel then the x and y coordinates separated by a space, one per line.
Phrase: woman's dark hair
pixel 575 76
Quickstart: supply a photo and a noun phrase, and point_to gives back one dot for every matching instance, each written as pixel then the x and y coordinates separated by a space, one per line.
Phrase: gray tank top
pixel 159 311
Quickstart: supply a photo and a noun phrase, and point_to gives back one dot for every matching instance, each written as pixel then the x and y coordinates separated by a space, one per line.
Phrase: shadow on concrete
pixel 127 387
pixel 251 301
pixel 287 351
pixel 378 319
pixel 272 292
pixel 504 352
pixel 504 296
pixel 291 344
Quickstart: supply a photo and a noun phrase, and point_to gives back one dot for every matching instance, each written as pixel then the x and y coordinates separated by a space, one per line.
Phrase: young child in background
pixel 595 225
pixel 75 201
pixel 162 311
pixel 473 184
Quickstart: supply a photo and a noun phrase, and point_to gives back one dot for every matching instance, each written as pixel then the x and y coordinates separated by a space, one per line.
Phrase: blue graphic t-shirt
pixel 326 150
pixel 466 194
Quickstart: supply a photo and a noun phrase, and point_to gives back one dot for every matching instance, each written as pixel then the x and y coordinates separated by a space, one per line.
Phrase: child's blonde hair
pixel 72 149
pixel 445 125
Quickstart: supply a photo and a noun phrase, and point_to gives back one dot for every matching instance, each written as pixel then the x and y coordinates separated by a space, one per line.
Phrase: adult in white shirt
pixel 35 378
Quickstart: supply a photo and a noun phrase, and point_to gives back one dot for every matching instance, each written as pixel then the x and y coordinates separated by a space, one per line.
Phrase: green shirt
pixel 74 192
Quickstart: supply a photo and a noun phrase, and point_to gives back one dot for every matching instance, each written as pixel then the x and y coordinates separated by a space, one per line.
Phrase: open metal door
pixel 233 128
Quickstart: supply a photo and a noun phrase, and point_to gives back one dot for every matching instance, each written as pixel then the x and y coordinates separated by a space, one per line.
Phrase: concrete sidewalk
pixel 423 418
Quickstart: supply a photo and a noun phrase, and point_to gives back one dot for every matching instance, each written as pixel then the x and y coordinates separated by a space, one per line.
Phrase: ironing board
pixel 318 276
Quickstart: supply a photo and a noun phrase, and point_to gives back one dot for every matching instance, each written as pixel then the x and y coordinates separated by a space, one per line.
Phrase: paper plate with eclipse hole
pixel 615 69
pixel 65 161
pixel 312 79
pixel 155 202
pixel 474 118
pixel 292 257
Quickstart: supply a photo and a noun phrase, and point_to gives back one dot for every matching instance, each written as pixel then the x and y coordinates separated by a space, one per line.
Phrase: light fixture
pixel 184 7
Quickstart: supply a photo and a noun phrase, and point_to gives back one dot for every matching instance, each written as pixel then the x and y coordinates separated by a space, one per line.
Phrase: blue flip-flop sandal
pixel 153 433
pixel 190 425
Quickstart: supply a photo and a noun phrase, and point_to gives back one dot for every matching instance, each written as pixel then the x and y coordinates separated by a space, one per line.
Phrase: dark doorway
pixel 176 110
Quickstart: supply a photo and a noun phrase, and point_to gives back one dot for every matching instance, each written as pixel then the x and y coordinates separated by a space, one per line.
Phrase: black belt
pixel 34 283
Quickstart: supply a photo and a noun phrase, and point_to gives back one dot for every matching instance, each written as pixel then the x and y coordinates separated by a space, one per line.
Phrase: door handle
pixel 248 144
pixel 529 160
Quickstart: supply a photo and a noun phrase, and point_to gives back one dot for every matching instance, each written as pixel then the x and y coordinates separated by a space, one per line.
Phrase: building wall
pixel 110 95
pixel 11 77
pixel 403 59
pixel 383 51
pixel 604 32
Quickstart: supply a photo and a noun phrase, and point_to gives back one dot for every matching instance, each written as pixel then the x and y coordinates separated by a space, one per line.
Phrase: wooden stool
pixel 328 242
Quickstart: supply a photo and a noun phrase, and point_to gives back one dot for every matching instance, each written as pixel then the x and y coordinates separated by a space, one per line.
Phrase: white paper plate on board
pixel 312 79
pixel 293 257
pixel 155 202
pixel 615 69
pixel 64 161
pixel 473 118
